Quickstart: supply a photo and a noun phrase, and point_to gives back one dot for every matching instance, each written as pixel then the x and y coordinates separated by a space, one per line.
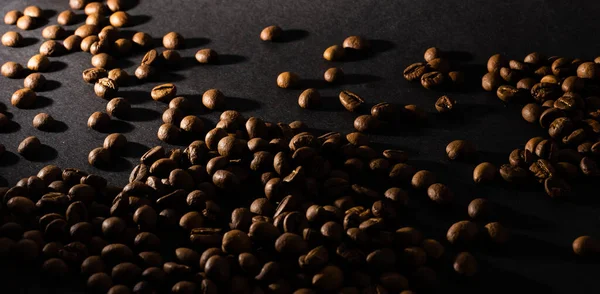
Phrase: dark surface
pixel 400 31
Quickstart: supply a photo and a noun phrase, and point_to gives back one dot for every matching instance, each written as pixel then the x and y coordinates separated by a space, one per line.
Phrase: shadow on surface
pixel 56 66
pixel 355 79
pixel 241 104
pixel 27 42
pixel 46 153
pixel 118 164
pixel 462 56
pixel 42 101
pixel 229 59
pixel 168 77
pixel 8 159
pixel 119 126
pixel 292 35
pixel 330 104
pixel 50 85
pixel 142 114
pixel 135 96
pixel 58 127
pixel 48 13
pixel 135 150
pixel 191 43
pixel 136 20
pixel 313 83
pixel 11 127
pixel 379 46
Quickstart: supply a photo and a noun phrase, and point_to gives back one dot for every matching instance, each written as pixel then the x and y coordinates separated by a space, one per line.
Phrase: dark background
pixel 539 259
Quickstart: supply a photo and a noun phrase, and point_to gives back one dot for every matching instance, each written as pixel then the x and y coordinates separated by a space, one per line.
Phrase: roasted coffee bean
pixel 119 19
pixel 439 64
pixel 491 81
pixel 562 67
pixel 366 123
pixel 213 99
pixel 586 246
pixel 92 75
pixel 173 40
pixel 25 22
pixel 12 39
pixel 462 232
pixel 86 43
pixel 545 91
pixel 440 193
pixel 119 76
pixel 309 98
pixel 53 32
pixel 415 71
pixel 106 88
pixel 495 62
pixel 465 264
pixel 445 104
pixel 29 147
pixel 288 80
pixel 432 80
pixel 350 101
pixel 510 75
pixel 99 121
pixel 163 93
pixel 356 42
pixel 484 172
pixel 51 48
pixel 560 127
pixel 550 115
pixel 10 18
pixel 513 174
pixel 589 167
pixel 271 33
pixel 38 62
pixel 508 93
pixel 43 121
pixel 118 107
pixel 531 112
pixel 207 56
pixel 588 70
pixel 102 60
pixel 334 53
pixel 333 75
pixel 99 157
pixel 460 149
pixel 142 39
pixel 12 70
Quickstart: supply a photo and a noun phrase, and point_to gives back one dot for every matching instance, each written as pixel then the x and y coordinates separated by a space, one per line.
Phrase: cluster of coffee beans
pixel 437 72
pixel 24 20
pixel 254 207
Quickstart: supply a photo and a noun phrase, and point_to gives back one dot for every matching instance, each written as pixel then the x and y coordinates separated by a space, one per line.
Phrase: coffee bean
pixel 119 76
pixel 102 60
pixel 95 19
pixel 309 98
pixel 333 75
pixel 115 143
pixel 207 56
pixel 271 33
pixel 181 103
pixel 225 180
pixel 25 22
pixel 444 104
pixel 460 149
pixel 329 278
pixel 11 70
pixel 163 93
pixel 356 42
pixel 531 112
pixel 485 172
pixel 11 39
pixel 288 80
pixel 440 193
pixel 497 233
pixel 496 62
pixel 99 121
pixel 432 80
pixel 586 246
pixel 119 19
pixel 173 40
pixel 588 70
pixel 465 264
pixel 366 123
pixel 217 268
pixel 415 71
pixel 38 62
pixel 423 179
pixel 510 75
pixel 213 99
pixel 168 133
pixel 53 32
pixel 491 81
pixel 439 64
pixel 550 79
pixel 123 46
pixel 118 107
pixel 144 72
pixel 171 57
pixel 526 83
pixel 86 43
pixel 51 48
pixel 10 18
pixel 513 174
pixel 432 53
pixel 509 93
pixel 29 146
pixel 99 157
pixel 350 101
pixel 66 17
pixel 572 84
pixel 95 8
pixel 43 121
pixel 192 124
pixel 334 53
pixel 142 39
pixel 589 167
pixel 105 88
pixel 462 232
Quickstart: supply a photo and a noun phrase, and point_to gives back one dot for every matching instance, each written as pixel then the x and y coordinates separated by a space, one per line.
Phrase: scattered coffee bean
pixel 271 33
pixel 586 246
pixel 118 107
pixel 115 143
pixel 287 80
pixel 66 17
pixel 102 60
pixel 99 157
pixel 51 48
pixel 465 264
pixel 92 75
pixel 142 39
pixel 484 172
pixel 440 193
pixel 350 101
pixel 531 112
pixel 366 123
pixel 480 208
pixel 213 99
pixel 123 46
pixel 172 116
pixel 25 22
pixel 496 62
pixel 95 8
pixel 53 32
pixel 309 98
pixel 12 39
pixel 171 57
pixel 23 98
pixel 29 146
pixel 163 93
pixel 192 124
pixel 432 80
pixel 168 133
pixel 356 42
pixel 38 62
pixel 415 71
pixel 432 53
pixel 105 88
pixel 86 30
pixel 173 40
pixel 99 121
pixel 33 11
pixel 333 75
pixel 460 149
pixel 423 179
pixel 491 81
pixel 43 121
pixel 119 76
pixel 144 72
pixel 445 104
pixel 86 43
pixel 12 70
pixel 462 232
pixel 119 19
pixel 497 233
pixel 11 17
pixel 334 53
pixel 207 56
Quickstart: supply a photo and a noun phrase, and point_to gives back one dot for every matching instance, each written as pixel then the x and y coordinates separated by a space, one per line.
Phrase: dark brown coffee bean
pixel 572 84
pixel 173 40
pixel 92 75
pixel 23 98
pixel 550 79
pixel 334 53
pixel 588 70
pixel 465 264
pixel 309 98
pixel 560 127
pixel 586 246
pixel 99 157
pixel 445 104
pixel 462 232
pixel 350 101
pixel 142 39
pixel 163 93
pixel 491 81
pixel 29 146
pixel 288 80
pixel 589 167
pixel 526 83
pixel 439 64
pixel 168 133
pixel 440 193
pixel 11 39
pixel 86 43
pixel 119 76
pixel 508 93
pixel 545 91
pixel 510 75
pixel 118 107
pixel 102 60
pixel 333 75
pixel 356 42
pixel 119 19
pixel 366 123
pixel 531 112
pixel 460 149
pixel 43 121
pixel 213 99
pixel 485 172
pixel 105 88
pixel 513 174
pixel 329 278
pixel 12 70
pixel 217 268
pixel 34 81
pixel 496 62
pixel 432 80
pixel 99 121
pixel 10 18
pixel 207 56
